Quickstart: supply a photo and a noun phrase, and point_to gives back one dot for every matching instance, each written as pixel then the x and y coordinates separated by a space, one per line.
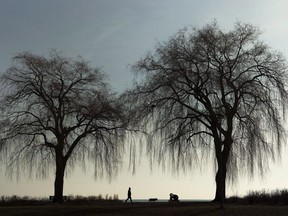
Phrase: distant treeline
pixel 27 200
pixel 262 197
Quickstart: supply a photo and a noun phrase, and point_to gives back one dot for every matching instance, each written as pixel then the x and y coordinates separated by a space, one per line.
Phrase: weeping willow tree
pixel 206 91
pixel 58 112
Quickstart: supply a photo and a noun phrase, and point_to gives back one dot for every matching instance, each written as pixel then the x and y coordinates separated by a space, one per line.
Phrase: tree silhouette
pixel 58 112
pixel 207 90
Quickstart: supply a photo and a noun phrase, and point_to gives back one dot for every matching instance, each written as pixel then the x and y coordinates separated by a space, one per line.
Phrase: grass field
pixel 141 209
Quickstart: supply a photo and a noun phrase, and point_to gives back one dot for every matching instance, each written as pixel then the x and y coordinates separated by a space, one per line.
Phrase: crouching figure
pixel 173 198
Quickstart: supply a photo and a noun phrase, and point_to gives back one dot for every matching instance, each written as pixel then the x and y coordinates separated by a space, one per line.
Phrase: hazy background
pixel 112 34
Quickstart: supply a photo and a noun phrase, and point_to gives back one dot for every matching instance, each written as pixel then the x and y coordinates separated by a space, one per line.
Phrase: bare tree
pixel 206 89
pixel 58 112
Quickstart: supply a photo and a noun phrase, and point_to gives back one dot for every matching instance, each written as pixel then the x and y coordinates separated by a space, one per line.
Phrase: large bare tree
pixel 208 89
pixel 57 112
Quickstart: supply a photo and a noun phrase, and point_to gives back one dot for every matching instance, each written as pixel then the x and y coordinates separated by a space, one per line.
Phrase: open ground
pixel 155 209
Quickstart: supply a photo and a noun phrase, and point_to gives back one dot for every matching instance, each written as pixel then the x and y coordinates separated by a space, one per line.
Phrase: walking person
pixel 129 195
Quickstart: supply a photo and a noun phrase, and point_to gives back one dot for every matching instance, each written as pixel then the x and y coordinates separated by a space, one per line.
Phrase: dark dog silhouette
pixel 153 199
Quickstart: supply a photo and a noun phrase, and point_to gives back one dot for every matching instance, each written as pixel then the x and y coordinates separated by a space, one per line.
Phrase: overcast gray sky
pixel 112 34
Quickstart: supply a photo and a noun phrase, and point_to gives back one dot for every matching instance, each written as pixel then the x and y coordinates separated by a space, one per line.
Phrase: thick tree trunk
pixel 222 159
pixel 222 151
pixel 59 178
pixel 220 179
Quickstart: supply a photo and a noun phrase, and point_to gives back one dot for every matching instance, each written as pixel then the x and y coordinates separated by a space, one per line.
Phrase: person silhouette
pixel 173 197
pixel 129 195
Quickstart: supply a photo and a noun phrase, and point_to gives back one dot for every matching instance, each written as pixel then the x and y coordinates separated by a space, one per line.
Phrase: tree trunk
pixel 220 179
pixel 59 178
pixel 222 159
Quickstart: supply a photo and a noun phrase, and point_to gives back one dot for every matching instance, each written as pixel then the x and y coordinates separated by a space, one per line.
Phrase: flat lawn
pixel 160 209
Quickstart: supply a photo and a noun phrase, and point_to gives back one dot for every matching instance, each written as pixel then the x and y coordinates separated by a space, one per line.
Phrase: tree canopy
pixel 206 91
pixel 57 111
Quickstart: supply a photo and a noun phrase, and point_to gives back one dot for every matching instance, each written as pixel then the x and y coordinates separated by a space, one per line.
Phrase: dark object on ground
pixel 173 198
pixel 153 199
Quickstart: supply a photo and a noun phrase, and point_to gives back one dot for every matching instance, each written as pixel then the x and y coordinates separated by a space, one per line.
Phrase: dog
pixel 153 200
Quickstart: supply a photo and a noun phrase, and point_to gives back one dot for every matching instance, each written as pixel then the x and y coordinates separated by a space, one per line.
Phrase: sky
pixel 112 35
